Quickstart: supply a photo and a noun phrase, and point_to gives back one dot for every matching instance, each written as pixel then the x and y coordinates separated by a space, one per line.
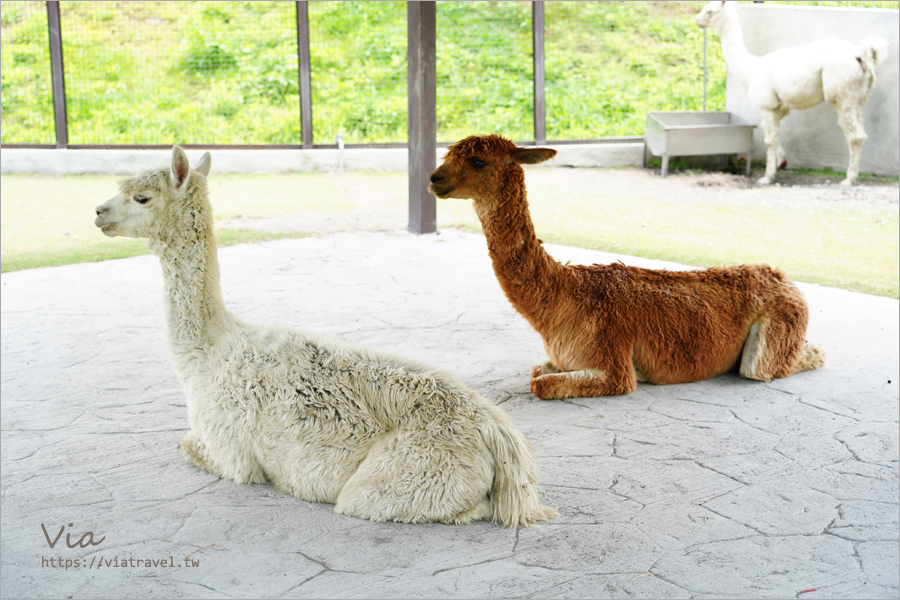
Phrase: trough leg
pixel 665 164
pixel 748 165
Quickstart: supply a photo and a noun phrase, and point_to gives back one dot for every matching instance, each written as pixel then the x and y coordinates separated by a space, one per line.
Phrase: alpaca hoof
pixel 813 357
pixel 782 164
pixel 848 182
pixel 544 387
pixel 764 181
pixel 547 368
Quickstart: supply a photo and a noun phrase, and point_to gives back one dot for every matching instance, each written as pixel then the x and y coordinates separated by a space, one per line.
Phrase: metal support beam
pixel 422 114
pixel 57 75
pixel 537 34
pixel 306 130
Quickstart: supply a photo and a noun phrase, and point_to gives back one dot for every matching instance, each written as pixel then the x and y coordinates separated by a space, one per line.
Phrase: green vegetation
pixel 839 244
pixel 25 83
pixel 484 69
pixel 610 63
pixel 358 71
pixel 808 242
pixel 226 72
pixel 62 231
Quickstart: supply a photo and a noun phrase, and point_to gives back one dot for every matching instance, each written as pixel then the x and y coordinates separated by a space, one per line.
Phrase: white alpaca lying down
pixel 382 437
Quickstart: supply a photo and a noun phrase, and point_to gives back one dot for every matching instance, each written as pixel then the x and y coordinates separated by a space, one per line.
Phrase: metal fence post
pixel 537 35
pixel 57 75
pixel 422 113
pixel 304 73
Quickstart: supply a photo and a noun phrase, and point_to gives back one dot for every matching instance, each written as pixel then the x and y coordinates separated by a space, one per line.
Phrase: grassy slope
pixel 226 72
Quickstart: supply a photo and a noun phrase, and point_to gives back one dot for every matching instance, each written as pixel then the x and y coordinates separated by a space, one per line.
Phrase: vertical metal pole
pixel 306 130
pixel 537 34
pixel 422 113
pixel 57 75
pixel 704 68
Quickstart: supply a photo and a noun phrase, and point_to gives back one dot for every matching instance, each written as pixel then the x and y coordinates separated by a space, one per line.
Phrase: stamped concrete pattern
pixel 724 488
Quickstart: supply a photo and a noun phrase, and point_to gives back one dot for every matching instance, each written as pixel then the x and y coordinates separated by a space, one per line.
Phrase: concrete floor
pixel 723 488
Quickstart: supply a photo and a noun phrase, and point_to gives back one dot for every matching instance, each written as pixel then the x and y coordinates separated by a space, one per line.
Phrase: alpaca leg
pixel 775 348
pixel 194 452
pixel 544 369
pixel 228 461
pixel 851 122
pixel 771 121
pixel 780 155
pixel 585 383
pixel 813 357
pixel 420 477
pixel 479 512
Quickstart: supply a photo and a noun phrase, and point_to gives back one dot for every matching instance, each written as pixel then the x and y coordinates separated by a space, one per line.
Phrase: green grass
pixel 121 248
pixel 62 232
pixel 226 72
pixel 808 243
pixel 838 244
pixel 835 243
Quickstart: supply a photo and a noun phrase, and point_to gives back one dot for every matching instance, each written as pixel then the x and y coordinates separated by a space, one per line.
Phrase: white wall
pixel 812 137
pixel 128 161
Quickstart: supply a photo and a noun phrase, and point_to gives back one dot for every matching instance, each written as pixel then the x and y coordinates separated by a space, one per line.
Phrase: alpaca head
pixel 135 211
pixel 712 16
pixel 478 167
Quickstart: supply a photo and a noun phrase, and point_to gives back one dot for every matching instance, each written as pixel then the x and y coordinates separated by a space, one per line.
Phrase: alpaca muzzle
pixel 438 185
pixel 101 220
pixel 106 228
pixel 440 192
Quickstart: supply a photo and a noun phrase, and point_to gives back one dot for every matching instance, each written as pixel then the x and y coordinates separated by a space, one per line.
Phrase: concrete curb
pixel 125 161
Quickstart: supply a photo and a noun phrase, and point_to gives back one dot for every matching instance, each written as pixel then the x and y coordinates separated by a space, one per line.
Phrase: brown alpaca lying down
pixel 606 327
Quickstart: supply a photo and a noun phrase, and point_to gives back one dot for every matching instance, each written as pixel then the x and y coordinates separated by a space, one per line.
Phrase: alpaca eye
pixel 477 163
pixel 141 199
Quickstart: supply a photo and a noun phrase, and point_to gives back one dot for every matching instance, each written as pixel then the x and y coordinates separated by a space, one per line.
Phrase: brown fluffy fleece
pixel 606 327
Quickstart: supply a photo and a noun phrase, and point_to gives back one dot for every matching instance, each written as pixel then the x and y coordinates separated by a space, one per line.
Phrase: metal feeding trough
pixel 696 133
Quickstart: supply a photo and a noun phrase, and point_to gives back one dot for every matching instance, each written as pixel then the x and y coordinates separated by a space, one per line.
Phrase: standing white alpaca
pixel 832 70
pixel 383 437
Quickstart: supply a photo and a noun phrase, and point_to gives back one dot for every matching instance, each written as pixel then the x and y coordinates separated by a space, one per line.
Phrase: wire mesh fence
pixel 226 73
pixel 191 72
pixel 610 63
pixel 484 69
pixel 25 81
pixel 358 71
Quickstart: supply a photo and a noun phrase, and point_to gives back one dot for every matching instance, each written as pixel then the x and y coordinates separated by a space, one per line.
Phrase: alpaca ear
pixel 203 164
pixel 180 167
pixel 532 155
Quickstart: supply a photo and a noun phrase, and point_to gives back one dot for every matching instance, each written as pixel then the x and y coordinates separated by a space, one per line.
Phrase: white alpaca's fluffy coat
pixel 381 436
pixel 832 70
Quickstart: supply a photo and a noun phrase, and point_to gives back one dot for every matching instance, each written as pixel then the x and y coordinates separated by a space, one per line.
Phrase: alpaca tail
pixel 813 358
pixel 514 500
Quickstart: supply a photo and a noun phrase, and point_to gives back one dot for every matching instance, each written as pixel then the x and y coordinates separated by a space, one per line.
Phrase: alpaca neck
pixel 187 253
pixel 525 271
pixel 740 62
